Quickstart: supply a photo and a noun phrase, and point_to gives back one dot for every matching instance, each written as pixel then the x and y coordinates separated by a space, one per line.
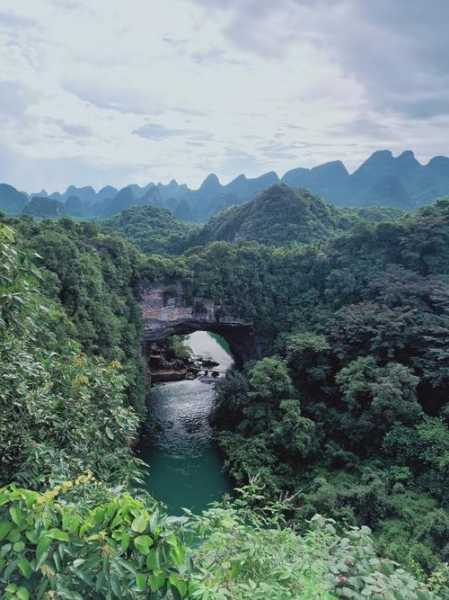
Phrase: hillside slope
pixel 279 215
pixel 152 229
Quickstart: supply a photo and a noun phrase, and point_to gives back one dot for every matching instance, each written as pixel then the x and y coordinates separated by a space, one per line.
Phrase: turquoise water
pixel 185 467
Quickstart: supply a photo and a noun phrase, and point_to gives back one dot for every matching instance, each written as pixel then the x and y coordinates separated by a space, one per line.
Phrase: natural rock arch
pixel 166 310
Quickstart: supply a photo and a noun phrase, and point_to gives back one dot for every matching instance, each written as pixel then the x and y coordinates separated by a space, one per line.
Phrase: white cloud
pixel 113 92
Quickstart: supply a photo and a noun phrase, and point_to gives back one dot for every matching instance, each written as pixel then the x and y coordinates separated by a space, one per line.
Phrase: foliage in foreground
pixel 61 411
pixel 91 277
pixel 127 548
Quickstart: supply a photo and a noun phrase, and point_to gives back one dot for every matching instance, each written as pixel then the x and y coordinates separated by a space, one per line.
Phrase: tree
pixel 375 399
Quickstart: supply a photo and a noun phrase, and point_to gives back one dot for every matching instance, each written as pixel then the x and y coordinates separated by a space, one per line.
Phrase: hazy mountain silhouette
pixel 382 180
pixel 12 202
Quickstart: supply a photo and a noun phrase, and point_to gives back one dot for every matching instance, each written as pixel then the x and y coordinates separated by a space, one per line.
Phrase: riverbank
pixel 166 366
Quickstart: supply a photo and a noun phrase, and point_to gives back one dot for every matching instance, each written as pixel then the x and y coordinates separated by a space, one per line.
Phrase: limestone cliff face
pixel 167 310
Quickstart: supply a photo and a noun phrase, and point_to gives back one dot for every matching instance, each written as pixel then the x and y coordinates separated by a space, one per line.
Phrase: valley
pixel 224 300
pixel 333 402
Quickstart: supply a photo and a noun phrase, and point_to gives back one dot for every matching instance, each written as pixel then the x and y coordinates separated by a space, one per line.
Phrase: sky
pixel 114 92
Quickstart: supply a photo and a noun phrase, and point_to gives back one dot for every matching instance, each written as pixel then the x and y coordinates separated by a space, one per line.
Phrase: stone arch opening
pixel 167 310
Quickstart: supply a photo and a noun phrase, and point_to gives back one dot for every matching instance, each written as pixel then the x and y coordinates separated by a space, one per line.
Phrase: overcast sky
pixel 113 92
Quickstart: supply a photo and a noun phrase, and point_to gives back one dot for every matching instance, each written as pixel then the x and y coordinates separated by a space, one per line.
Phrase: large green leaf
pixel 143 544
pixel 141 581
pixel 17 516
pixel 156 580
pixel 25 567
pixel 42 550
pixel 5 527
pixel 153 562
pixel 58 534
pixel 140 522
pixel 179 584
pixel 23 593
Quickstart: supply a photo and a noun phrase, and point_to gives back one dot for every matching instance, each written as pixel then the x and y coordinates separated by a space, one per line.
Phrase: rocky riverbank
pixel 165 367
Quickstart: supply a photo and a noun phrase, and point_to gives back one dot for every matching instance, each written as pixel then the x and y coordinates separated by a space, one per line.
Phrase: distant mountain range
pixel 382 180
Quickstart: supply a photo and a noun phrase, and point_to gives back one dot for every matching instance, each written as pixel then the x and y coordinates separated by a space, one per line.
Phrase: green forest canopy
pixel 346 413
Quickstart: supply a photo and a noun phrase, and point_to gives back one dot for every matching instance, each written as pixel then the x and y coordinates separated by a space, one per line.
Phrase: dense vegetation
pixel 350 411
pixel 92 277
pixel 153 230
pixel 62 410
pixel 124 547
pixel 277 216
pixel 76 532
pixel 346 414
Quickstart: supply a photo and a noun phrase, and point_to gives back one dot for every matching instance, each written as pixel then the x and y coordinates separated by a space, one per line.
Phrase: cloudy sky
pixel 112 92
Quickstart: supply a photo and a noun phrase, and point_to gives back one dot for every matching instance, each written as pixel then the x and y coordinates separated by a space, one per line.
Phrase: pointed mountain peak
pixel 380 156
pixel 407 162
pixel 407 155
pixel 239 178
pixel 210 183
pixel 378 164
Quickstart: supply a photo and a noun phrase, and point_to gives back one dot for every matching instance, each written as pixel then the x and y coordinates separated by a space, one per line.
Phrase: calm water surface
pixel 186 469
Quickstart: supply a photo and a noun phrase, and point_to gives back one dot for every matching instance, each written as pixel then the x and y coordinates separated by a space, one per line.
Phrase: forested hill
pixel 153 230
pixel 382 180
pixel 277 216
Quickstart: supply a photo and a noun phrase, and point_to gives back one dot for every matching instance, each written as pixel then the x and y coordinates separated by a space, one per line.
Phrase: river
pixel 185 467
